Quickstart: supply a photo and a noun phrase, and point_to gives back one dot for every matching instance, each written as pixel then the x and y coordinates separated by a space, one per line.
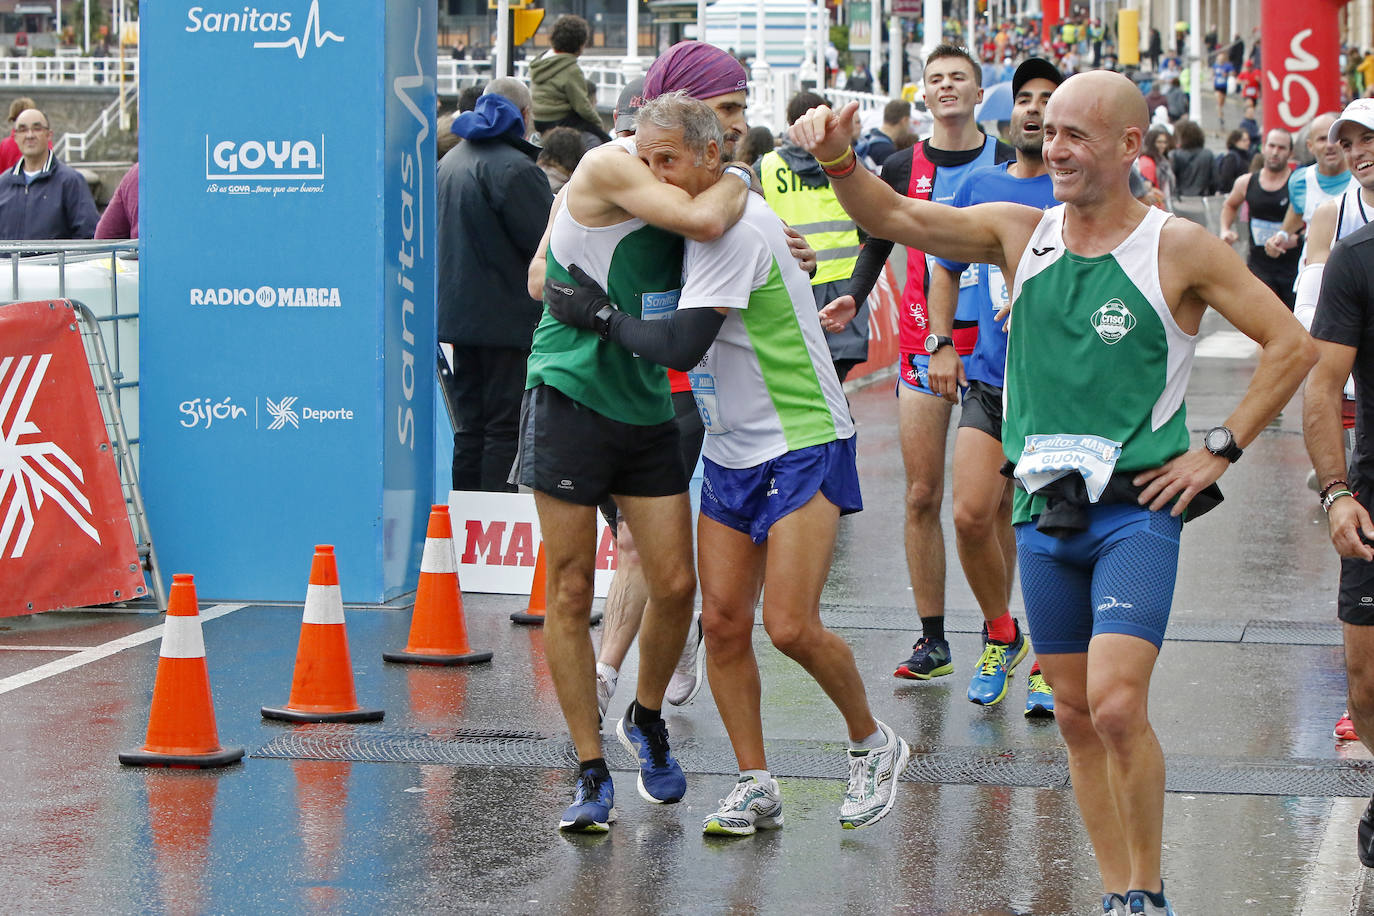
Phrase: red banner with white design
pixel 65 539
pixel 1301 61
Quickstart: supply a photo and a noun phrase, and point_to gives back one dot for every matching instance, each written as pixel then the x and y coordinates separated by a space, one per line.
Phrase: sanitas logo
pixel 1113 321
pixel 264 160
pixel 310 297
pixel 251 20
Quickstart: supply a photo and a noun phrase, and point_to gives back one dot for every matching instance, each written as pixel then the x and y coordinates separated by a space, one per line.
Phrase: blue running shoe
pixel 1138 903
pixel 593 807
pixel 1113 905
pixel 661 780
pixel 999 660
pixel 1039 698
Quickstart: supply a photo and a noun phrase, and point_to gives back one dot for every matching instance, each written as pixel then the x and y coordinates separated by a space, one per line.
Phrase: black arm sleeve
pixel 678 341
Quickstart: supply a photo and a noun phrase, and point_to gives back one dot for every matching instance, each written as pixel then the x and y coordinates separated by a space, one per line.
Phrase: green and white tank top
pixel 1094 350
pixel 640 268
pixel 767 385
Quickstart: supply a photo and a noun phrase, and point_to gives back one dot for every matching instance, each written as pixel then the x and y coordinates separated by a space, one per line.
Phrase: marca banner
pixel 287 300
pixel 497 539
pixel 65 539
pixel 1301 60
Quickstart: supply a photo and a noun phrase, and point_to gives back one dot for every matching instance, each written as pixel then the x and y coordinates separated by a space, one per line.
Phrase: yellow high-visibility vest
pixel 816 214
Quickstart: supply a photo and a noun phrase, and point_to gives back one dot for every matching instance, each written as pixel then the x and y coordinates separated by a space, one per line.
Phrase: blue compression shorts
pixel 1115 577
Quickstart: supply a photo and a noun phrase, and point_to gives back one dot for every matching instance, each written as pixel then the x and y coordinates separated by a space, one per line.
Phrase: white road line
pixel 1336 874
pixel 45 648
pixel 1227 345
pixel 95 654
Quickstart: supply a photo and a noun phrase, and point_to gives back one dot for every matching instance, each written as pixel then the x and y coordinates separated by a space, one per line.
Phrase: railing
pixel 71 146
pixel 67 71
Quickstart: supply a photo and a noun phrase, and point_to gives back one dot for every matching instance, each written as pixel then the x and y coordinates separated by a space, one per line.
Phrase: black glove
pixel 583 305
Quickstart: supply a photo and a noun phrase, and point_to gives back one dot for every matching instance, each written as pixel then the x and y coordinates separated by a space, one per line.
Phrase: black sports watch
pixel 1219 441
pixel 603 320
pixel 934 342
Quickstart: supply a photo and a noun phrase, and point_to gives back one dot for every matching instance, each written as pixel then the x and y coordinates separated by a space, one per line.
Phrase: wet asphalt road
pixel 450 803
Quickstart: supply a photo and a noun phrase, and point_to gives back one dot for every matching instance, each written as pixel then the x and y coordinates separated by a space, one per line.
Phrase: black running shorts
pixel 983 409
pixel 570 451
pixel 1355 604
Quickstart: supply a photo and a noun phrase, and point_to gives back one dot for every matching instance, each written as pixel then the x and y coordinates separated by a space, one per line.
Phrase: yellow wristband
pixel 835 162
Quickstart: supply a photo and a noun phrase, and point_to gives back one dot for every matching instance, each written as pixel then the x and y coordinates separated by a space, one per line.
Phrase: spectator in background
pixel 120 219
pixel 860 80
pixel 445 138
pixel 1155 167
pixel 43 197
pixel 757 142
pixel 560 86
pixel 1250 124
pixel 493 202
pixel 1156 48
pixel 1235 162
pixel 563 149
pixel 9 147
pixel 626 107
pixel 1155 98
pixel 880 142
pixel 1177 101
pixel 1194 167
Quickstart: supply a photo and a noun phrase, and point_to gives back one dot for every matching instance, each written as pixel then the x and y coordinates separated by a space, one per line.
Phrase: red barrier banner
pixel 1301 61
pixel 884 303
pixel 65 539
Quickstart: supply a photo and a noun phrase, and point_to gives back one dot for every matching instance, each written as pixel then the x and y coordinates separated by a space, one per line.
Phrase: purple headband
pixel 702 71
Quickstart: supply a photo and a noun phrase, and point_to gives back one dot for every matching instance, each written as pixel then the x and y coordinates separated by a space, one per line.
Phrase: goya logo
pixel 1113 321
pixel 264 160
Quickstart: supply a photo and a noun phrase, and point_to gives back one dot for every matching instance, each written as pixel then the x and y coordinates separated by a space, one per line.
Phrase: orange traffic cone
pixel 322 688
pixel 181 725
pixel 534 614
pixel 438 633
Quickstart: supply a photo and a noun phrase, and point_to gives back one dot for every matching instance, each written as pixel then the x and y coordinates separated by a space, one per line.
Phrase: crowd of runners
pixel 1043 294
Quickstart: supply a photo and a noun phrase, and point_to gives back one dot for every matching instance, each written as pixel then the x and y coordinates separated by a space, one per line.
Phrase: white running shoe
pixel 750 806
pixel 606 676
pixel 873 776
pixel 691 667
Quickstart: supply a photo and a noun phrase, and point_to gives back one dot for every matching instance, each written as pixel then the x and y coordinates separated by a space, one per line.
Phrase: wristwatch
pixel 603 320
pixel 1219 441
pixel 742 173
pixel 934 342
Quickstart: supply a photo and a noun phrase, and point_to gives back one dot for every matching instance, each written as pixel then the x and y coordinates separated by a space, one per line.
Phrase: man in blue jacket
pixel 43 197
pixel 493 204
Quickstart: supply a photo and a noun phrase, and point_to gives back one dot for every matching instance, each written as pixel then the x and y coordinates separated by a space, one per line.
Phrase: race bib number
pixel 708 404
pixel 1261 230
pixel 658 305
pixel 1047 458
pixel 998 293
pixel 969 277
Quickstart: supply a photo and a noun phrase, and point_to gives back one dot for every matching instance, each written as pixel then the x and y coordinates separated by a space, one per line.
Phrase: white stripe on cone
pixel 323 604
pixel 182 638
pixel 439 556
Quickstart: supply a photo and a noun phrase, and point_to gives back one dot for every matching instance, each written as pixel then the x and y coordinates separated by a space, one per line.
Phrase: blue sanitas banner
pixel 287 291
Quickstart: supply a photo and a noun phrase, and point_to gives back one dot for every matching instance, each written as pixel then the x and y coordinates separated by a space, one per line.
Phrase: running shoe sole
pixel 871 819
pixel 904 672
pixel 586 824
pixel 715 826
pixel 699 668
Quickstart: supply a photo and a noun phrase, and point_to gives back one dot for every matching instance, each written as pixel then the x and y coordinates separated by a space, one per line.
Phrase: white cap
pixel 1360 111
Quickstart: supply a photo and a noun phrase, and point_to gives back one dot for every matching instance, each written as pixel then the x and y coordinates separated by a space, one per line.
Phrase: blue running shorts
pixel 753 499
pixel 1115 577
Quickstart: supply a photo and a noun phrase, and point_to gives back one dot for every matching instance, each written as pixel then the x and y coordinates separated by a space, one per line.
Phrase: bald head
pixel 1117 99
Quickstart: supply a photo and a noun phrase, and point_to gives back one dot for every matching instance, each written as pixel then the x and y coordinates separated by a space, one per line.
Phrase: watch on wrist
pixel 1220 442
pixel 934 342
pixel 742 173
pixel 603 321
